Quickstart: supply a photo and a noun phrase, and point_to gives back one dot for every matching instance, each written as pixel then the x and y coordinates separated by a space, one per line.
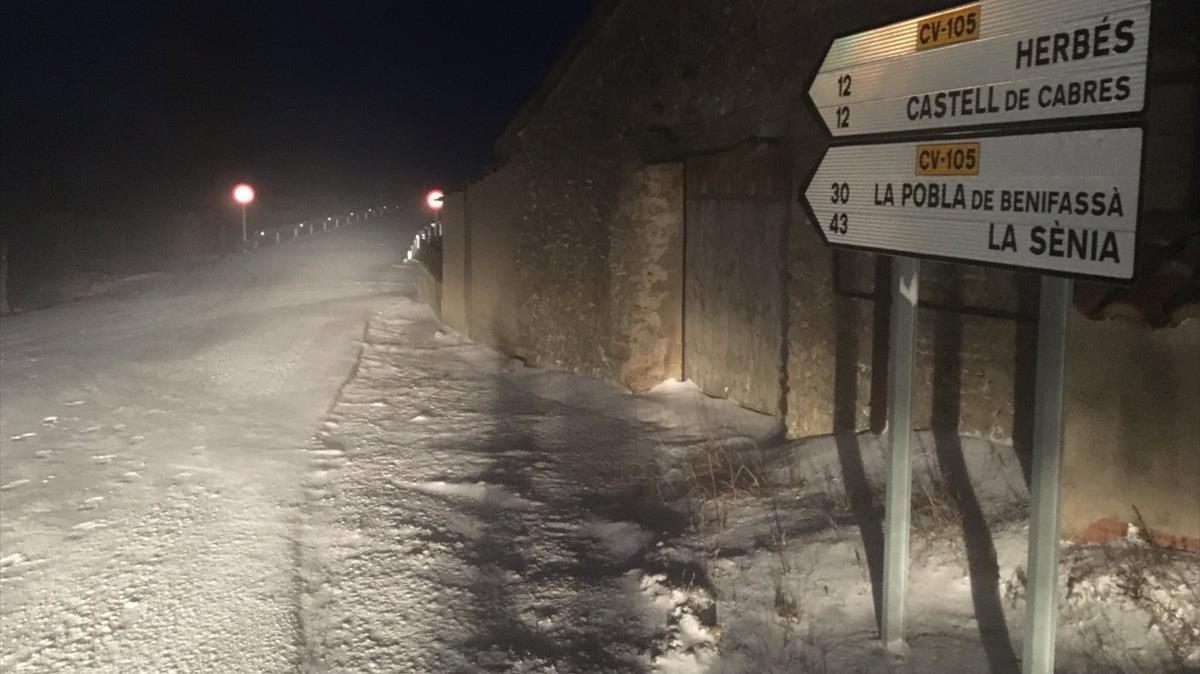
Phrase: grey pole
pixel 905 275
pixel 1045 500
pixel 243 223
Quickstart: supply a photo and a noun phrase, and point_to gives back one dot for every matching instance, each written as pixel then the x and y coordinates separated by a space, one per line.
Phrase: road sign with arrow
pixel 998 132
pixel 1063 202
pixel 994 62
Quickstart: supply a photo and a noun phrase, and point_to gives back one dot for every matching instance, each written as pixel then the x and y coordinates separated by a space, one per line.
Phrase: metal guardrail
pixel 426 248
pixel 261 238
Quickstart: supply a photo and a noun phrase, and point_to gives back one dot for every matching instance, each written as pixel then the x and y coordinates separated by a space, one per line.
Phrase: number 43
pixel 838 224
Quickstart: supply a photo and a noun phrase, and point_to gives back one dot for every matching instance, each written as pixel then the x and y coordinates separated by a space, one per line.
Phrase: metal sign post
pixel 1000 132
pixel 902 338
pixel 1045 498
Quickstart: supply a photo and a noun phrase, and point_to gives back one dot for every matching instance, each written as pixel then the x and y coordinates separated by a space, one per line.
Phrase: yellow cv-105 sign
pixel 948 159
pixel 940 30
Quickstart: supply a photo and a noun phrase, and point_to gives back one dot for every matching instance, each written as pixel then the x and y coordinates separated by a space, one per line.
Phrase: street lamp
pixel 435 199
pixel 243 193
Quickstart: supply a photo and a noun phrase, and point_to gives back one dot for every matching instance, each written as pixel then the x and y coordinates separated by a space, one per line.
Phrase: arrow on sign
pixel 1064 203
pixel 992 62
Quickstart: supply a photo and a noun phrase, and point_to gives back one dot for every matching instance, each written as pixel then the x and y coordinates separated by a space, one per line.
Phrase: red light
pixel 434 199
pixel 243 193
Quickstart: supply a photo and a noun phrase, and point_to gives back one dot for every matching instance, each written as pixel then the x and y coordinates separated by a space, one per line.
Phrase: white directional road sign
pixel 1058 202
pixel 990 62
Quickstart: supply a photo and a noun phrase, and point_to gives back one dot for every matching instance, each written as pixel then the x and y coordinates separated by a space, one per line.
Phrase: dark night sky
pixel 130 106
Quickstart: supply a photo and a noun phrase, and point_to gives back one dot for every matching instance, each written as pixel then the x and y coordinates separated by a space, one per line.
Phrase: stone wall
pixel 454 262
pixel 1132 446
pixel 557 241
pixel 495 298
pixel 429 289
pixel 676 79
pixel 646 278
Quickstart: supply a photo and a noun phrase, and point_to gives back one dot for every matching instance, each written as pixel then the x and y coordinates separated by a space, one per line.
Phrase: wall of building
pixel 429 289
pixel 454 262
pixel 646 277
pixel 495 297
pixel 664 80
pixel 1132 438
pixel 590 199
pixel 975 340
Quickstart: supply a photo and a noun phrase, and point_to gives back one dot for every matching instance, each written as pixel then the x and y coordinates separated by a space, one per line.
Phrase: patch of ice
pixel 622 540
pixel 668 386
pixel 483 492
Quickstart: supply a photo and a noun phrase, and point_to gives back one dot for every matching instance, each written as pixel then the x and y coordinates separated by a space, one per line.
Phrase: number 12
pixel 843 116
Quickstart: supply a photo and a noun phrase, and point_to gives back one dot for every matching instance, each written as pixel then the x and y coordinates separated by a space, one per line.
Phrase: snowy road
pixel 191 482
pixel 151 463
pixel 282 462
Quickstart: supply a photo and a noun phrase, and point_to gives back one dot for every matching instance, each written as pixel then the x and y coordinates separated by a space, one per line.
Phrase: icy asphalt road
pixel 151 457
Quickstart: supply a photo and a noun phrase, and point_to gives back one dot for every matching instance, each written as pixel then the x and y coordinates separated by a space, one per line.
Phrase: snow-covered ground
pixel 284 463
pixel 467 513
pixel 150 461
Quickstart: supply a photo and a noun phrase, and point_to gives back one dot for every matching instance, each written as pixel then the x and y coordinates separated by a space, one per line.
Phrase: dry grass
pixel 713 477
pixel 1147 577
pixel 935 508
